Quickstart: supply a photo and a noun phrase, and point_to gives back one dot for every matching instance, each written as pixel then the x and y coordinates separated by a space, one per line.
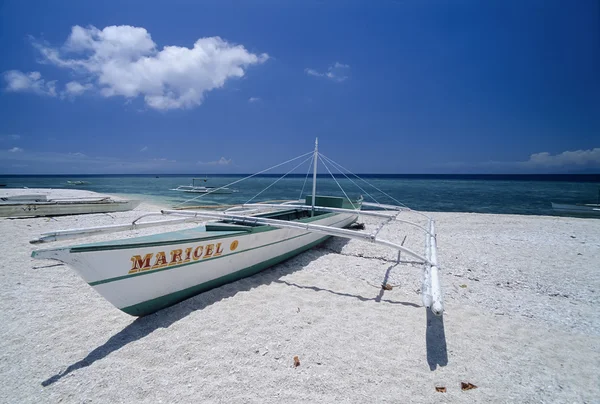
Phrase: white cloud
pixel 9 137
pixel 32 82
pixel 143 149
pixel 567 158
pixel 74 88
pixel 253 99
pixel 537 162
pixel 125 61
pixel 56 162
pixel 15 150
pixel 336 72
pixel 221 162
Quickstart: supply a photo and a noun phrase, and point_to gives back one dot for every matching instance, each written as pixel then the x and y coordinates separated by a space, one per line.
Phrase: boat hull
pixel 144 278
pixel 34 209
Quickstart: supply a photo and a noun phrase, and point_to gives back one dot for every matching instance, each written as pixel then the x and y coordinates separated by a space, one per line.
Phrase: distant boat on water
pixel 201 189
pixel 78 183
pixel 586 209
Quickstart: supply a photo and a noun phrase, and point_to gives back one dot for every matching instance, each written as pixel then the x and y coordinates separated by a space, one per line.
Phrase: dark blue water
pixel 530 195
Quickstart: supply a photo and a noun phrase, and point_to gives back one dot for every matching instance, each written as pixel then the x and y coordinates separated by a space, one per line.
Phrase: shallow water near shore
pixel 531 195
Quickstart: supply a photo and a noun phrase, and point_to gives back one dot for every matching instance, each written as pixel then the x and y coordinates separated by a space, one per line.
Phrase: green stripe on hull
pixel 150 306
pixel 119 278
pixel 168 268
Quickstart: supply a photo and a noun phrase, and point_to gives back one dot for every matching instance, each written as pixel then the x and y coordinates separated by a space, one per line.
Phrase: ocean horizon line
pixel 587 177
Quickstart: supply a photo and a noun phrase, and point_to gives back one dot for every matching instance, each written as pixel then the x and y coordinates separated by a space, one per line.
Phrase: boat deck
pixel 180 236
pixel 212 230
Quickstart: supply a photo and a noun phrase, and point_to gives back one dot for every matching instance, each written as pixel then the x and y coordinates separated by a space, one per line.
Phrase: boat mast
pixel 314 193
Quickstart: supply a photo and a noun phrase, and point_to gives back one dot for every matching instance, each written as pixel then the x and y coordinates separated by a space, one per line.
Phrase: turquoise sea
pixel 512 194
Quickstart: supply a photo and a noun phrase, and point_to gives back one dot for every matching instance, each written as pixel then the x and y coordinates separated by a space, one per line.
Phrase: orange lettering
pixel 175 257
pixel 139 263
pixel 218 250
pixel 209 250
pixel 188 254
pixel 161 260
pixel 198 253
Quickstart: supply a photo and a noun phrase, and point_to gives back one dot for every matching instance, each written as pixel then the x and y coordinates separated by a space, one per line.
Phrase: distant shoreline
pixel 481 177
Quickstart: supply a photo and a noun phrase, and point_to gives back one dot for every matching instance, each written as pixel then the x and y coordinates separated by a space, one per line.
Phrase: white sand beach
pixel 521 322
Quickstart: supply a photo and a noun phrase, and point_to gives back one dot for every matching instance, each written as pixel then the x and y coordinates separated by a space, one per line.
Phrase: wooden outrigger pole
pixel 313 228
pixel 431 290
pixel 88 231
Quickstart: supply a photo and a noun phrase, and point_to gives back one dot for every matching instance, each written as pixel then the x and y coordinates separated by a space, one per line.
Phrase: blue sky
pixel 412 86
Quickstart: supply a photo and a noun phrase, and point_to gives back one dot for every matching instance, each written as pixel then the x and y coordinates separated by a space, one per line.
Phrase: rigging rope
pixel 306 178
pixel 366 182
pixel 350 179
pixel 245 178
pixel 336 181
pixel 278 179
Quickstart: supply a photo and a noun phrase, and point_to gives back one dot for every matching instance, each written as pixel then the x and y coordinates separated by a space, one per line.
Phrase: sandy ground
pixel 521 323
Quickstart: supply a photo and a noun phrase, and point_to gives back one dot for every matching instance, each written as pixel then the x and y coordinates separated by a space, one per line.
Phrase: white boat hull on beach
pixel 58 207
pixel 141 276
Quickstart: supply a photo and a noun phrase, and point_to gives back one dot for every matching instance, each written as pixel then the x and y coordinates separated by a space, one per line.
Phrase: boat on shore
pixel 40 205
pixel 142 275
pixel 25 198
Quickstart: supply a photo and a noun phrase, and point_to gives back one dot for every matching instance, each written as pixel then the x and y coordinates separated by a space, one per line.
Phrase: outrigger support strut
pixel 390 215
pixel 83 232
pixel 312 228
pixel 430 271
pixel 431 286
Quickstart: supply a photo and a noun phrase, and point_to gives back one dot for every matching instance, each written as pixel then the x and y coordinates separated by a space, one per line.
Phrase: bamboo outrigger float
pixel 144 274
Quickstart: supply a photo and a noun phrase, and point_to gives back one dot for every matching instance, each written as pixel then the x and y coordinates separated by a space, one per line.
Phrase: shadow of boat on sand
pixel 144 326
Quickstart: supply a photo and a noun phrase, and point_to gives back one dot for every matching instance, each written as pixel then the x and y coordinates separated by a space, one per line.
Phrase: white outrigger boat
pixel 40 205
pixel 144 274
